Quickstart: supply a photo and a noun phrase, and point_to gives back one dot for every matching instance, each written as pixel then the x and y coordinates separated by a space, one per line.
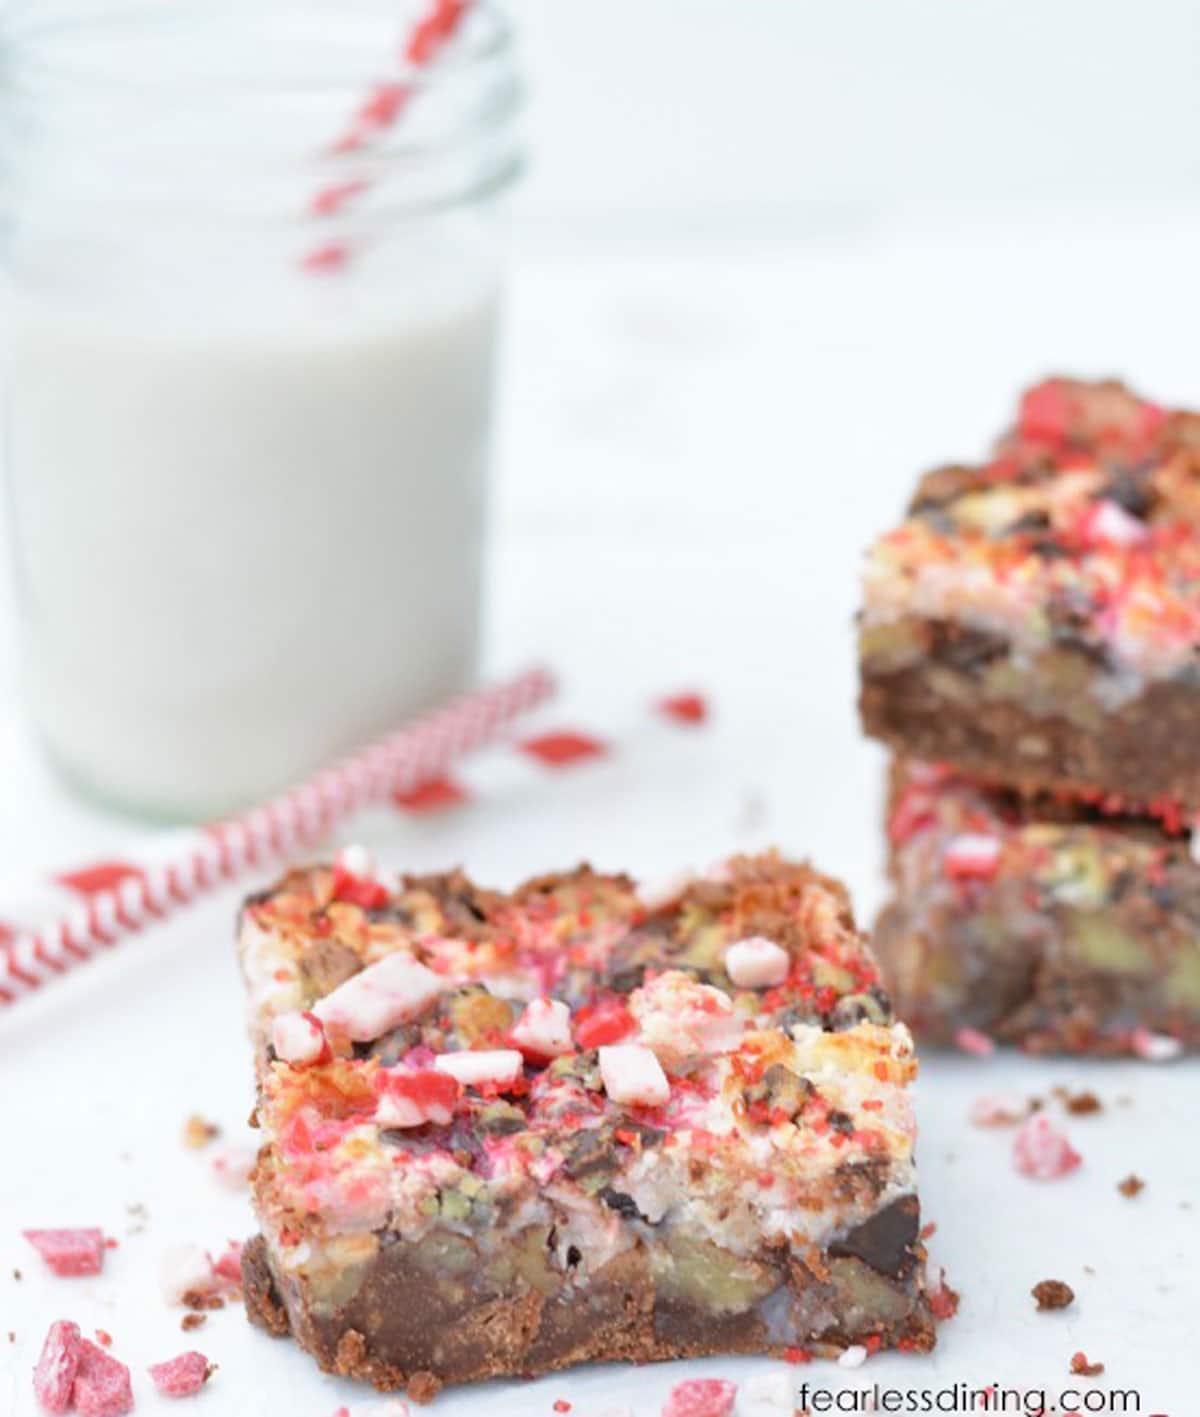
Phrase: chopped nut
pixel 1053 1294
pixel 1131 1186
pixel 1082 1104
pixel 198 1132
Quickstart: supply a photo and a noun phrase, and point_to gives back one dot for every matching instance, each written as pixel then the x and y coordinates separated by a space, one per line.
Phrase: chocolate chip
pixel 624 1205
pixel 886 1240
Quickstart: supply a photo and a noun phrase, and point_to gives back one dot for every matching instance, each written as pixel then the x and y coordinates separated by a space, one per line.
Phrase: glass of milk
pixel 253 255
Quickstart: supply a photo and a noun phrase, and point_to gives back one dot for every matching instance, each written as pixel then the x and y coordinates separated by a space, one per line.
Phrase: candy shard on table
pixel 577 1129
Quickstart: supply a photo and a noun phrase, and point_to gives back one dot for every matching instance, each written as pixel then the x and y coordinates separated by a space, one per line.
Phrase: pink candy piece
pixel 228 1268
pixel 54 1376
pixel 999 1109
pixel 971 857
pixel 411 1097
pixel 1107 523
pixel 1042 1152
pixel 298 1037
pixel 472 1068
pixel 1155 1047
pixel 757 963
pixel 69 1252
pixel 393 991
pixel 700 1397
pixel 632 1074
pixel 972 1041
pixel 544 1029
pixel 102 1387
pixel 182 1376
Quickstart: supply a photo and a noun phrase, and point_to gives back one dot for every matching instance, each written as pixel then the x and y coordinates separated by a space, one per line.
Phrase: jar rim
pixel 488 37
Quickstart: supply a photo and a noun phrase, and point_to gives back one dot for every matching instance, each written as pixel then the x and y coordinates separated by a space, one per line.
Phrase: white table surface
pixel 696 444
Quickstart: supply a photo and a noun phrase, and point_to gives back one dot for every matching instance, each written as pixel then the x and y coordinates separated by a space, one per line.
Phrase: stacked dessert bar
pixel 505 1133
pixel 1030 652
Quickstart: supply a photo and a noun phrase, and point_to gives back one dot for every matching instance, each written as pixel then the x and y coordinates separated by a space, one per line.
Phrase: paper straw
pixel 377 113
pixel 211 856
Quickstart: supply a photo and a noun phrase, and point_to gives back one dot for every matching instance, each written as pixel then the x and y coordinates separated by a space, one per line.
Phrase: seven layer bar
pixel 508 1133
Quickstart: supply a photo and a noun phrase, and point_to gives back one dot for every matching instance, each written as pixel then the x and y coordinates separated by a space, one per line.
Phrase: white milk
pixel 242 548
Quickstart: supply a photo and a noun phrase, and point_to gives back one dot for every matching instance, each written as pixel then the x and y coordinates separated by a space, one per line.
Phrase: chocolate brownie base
pixel 411 1326
pixel 1040 726
pixel 1060 931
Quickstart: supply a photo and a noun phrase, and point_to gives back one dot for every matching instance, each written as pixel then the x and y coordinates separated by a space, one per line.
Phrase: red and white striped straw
pixel 378 112
pixel 210 856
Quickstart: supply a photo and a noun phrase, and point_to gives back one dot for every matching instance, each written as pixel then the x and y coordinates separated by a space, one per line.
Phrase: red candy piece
pixel 558 750
pixel 102 1387
pixel 700 1397
pixel 69 1252
pixel 605 1022
pixel 1045 414
pixel 358 890
pixel 1042 1152
pixel 685 708
pixel 229 1266
pixel 54 1376
pixel 182 1376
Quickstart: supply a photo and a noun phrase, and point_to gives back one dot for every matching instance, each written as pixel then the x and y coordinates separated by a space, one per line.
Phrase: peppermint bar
pixel 1035 620
pixel 507 1133
pixel 1046 923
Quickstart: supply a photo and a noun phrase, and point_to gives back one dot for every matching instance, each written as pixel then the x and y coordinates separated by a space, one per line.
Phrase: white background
pixel 772 259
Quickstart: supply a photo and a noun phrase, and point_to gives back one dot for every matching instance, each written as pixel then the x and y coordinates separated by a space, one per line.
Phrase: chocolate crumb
pixel 12 1337
pixel 1131 1185
pixel 1082 1104
pixel 198 1132
pixel 17 1275
pixel 196 1299
pixel 189 1322
pixel 1082 1368
pixel 1053 1294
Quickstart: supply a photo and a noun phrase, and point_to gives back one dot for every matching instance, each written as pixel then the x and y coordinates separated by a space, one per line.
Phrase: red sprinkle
pixel 104 1337
pixel 797 1355
pixel 69 1252
pixel 700 1397
pixel 54 1376
pixel 561 1405
pixel 558 750
pixel 181 1376
pixel 431 796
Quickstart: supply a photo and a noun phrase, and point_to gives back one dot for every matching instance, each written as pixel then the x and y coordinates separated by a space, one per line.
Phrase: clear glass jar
pixel 253 255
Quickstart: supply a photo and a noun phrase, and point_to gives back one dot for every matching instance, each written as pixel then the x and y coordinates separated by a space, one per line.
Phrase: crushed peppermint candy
pixel 298 1037
pixel 181 1376
pixel 1107 523
pixel 54 1376
pixel 998 1109
pixel 410 1098
pixel 392 991
pixel 700 1397
pixel 355 879
pixel 476 1067
pixel 853 1357
pixel 1042 1152
pixel 69 1253
pixel 757 963
pixel 632 1073
pixel 971 857
pixel 1155 1047
pixel 102 1386
pixel 971 1040
pixel 229 1267
pixel 544 1029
